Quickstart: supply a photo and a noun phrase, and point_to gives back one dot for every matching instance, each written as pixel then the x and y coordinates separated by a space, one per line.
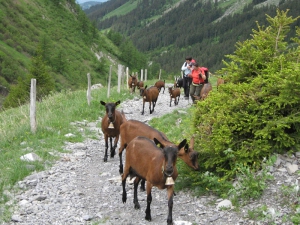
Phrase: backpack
pixel 206 73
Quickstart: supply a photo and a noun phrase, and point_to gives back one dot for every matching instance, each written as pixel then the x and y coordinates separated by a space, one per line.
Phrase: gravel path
pixel 81 189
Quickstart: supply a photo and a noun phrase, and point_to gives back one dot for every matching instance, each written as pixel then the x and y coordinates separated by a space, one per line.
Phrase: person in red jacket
pixel 198 80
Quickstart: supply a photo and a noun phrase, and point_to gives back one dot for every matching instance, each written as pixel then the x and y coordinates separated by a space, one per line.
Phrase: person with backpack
pixel 186 70
pixel 198 80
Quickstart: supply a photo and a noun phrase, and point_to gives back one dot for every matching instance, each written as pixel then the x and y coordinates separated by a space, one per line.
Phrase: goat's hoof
pixel 148 217
pixel 142 189
pixel 105 159
pixel 112 154
pixel 137 206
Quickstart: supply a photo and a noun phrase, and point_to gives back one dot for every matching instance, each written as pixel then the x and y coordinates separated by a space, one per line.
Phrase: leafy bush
pixel 255 113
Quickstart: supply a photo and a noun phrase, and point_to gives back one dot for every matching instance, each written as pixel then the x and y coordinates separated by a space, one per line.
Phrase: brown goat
pixel 133 128
pixel 132 82
pixel 144 160
pixel 110 125
pixel 149 95
pixel 204 92
pixel 174 94
pixel 219 82
pixel 140 84
pixel 160 84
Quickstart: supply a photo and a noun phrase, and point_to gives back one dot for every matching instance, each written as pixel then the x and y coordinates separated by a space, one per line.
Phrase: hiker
pixel 198 79
pixel 186 70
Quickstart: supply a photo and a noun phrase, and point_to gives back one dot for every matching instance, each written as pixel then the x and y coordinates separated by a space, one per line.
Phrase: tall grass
pixel 54 115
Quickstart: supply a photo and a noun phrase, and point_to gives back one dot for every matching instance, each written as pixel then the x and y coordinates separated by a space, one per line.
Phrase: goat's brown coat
pixel 174 94
pixel 220 81
pixel 133 128
pixel 132 82
pixel 116 118
pixel 144 160
pixel 160 84
pixel 140 84
pixel 149 95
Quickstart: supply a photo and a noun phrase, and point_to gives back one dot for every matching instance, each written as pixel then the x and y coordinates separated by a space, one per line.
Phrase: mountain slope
pixel 207 30
pixel 66 36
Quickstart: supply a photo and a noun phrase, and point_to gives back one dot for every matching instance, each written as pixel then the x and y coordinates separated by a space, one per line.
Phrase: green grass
pixel 54 115
pixel 122 10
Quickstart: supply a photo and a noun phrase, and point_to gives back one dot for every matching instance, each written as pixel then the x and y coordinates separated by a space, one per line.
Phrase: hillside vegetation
pixel 206 30
pixel 57 37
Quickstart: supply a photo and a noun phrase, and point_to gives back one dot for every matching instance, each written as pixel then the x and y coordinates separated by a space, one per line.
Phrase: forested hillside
pixel 55 42
pixel 194 27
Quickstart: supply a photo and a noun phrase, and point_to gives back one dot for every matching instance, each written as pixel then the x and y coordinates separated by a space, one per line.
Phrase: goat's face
pixel 133 80
pixel 142 90
pixel 170 154
pixel 110 109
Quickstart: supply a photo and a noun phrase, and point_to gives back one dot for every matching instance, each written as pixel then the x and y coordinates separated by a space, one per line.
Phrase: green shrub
pixel 255 113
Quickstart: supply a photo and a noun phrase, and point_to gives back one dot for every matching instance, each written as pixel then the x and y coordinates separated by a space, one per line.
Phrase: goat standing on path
pixel 149 95
pixel 110 125
pixel 174 93
pixel 133 128
pixel 132 82
pixel 144 160
pixel 160 84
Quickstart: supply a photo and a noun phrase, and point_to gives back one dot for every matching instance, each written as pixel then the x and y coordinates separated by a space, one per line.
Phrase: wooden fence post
pixel 159 74
pixel 89 89
pixel 142 75
pixel 109 79
pixel 145 75
pixel 33 105
pixel 120 68
pixel 127 74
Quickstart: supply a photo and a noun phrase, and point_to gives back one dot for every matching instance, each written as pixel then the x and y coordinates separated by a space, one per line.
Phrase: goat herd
pixel 150 156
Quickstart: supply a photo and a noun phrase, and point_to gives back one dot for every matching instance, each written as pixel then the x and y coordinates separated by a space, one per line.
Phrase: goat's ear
pixel 130 75
pixel 186 148
pixel 145 86
pixel 102 103
pixel 118 102
pixel 182 144
pixel 157 142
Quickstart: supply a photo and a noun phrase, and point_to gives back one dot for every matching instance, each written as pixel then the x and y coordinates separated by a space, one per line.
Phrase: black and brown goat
pixel 174 94
pixel 132 82
pixel 140 84
pixel 149 95
pixel 144 160
pixel 178 82
pixel 110 125
pixel 160 84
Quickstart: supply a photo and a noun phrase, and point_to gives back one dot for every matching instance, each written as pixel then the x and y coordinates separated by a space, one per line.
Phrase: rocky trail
pixel 81 189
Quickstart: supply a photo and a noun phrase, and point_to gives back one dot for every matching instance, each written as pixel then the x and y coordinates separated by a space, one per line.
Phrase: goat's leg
pixel 124 195
pixel 143 107
pixel 150 107
pixel 170 101
pixel 178 99
pixel 170 204
pixel 149 200
pixel 111 146
pixel 106 147
pixel 142 188
pixel 121 162
pixel 135 197
pixel 113 149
